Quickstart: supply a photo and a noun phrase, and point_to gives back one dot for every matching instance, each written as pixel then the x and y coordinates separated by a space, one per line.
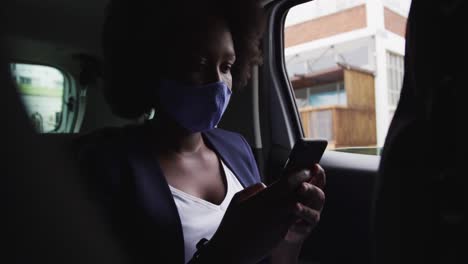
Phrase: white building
pixel 368 34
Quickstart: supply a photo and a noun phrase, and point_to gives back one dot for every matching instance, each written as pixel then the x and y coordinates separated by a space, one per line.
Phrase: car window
pixel 345 62
pixel 42 91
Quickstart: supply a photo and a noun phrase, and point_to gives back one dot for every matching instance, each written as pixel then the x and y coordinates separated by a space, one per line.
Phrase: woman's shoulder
pixel 106 137
pixel 229 143
pixel 227 139
pixel 105 145
pixel 221 134
pixel 102 157
pixel 235 149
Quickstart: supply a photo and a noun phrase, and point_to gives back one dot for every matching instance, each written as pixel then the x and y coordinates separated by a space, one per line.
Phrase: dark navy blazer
pixel 126 180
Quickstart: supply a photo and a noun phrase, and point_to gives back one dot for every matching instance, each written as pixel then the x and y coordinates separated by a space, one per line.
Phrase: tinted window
pixel 41 88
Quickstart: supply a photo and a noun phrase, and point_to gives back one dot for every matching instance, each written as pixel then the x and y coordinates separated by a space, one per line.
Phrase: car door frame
pixel 345 231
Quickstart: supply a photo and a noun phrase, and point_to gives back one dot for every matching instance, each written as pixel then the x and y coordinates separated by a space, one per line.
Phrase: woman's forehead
pixel 205 38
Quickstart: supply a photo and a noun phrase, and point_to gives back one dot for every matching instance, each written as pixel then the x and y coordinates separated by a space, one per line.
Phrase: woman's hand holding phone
pixel 259 218
pixel 307 152
pixel 310 200
pixel 309 205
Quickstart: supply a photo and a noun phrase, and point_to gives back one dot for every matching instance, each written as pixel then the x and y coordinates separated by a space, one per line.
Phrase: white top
pixel 200 218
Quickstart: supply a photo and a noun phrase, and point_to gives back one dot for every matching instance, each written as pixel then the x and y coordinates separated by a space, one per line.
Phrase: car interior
pixel 408 205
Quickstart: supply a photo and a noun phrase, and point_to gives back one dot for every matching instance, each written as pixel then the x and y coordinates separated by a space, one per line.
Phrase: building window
pixel 396 71
pixel 332 94
pixel 41 89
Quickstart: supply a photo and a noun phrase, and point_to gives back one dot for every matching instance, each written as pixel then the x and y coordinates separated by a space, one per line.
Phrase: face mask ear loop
pixel 150 114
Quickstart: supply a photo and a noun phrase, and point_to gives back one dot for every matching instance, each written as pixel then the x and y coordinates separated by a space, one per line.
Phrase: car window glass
pixel 41 89
pixel 345 61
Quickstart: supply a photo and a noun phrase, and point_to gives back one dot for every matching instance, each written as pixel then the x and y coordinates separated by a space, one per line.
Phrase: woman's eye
pixel 225 68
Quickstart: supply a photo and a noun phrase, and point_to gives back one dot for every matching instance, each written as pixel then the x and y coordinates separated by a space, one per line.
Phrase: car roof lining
pixel 70 24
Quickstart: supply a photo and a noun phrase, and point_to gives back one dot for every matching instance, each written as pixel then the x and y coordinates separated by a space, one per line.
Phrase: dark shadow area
pixel 48 218
pixel 421 207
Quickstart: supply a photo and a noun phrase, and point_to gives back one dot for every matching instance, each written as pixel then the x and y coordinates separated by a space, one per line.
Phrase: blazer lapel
pixel 227 150
pixel 155 197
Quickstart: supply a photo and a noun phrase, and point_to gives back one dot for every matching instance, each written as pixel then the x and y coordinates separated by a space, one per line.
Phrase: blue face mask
pixel 195 107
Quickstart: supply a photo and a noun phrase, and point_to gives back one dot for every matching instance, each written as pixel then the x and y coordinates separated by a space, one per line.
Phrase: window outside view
pixel 41 88
pixel 345 61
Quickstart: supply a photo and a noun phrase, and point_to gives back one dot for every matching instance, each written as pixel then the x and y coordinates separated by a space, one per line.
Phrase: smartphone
pixel 305 154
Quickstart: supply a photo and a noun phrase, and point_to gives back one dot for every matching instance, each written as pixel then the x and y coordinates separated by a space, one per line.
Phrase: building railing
pixel 340 125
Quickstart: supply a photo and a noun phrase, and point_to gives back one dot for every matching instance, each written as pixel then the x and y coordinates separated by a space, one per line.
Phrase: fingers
pixel 311 196
pixel 318 177
pixel 294 180
pixel 249 192
pixel 308 215
pixel 312 199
